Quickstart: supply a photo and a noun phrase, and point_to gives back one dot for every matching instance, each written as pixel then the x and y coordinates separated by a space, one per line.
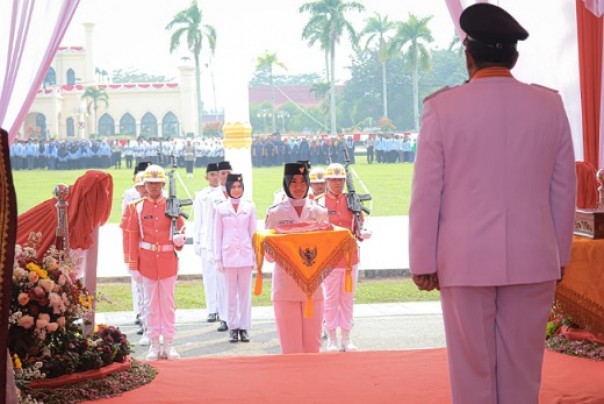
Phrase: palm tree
pixel 188 23
pixel 318 31
pixel 376 33
pixel 330 15
pixel 413 35
pixel 320 89
pixel 94 96
pixel 265 63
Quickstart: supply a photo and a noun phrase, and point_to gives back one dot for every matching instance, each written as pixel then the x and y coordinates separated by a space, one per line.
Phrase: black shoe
pixel 223 326
pixel 212 317
pixel 138 320
pixel 141 330
pixel 233 337
pixel 244 336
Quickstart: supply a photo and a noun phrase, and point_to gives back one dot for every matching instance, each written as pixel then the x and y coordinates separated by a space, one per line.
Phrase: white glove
pixel 219 266
pixel 179 240
pixel 211 258
pixel 365 234
pixel 197 249
pixel 136 275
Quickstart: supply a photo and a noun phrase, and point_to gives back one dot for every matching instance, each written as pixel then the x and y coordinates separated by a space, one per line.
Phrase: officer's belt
pixel 156 247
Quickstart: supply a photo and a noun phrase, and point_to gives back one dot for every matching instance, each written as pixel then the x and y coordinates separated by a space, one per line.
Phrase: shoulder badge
pixel 136 201
pixel 545 88
pixel 273 207
pixel 437 92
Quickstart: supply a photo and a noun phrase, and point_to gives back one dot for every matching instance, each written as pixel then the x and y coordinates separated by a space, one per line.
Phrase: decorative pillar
pixel 237 140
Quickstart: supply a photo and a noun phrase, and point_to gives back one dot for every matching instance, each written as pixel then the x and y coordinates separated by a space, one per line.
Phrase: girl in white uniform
pixel 296 333
pixel 235 223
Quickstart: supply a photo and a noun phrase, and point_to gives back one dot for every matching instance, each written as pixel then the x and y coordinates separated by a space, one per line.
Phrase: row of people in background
pixel 391 149
pixel 276 150
pixel 86 154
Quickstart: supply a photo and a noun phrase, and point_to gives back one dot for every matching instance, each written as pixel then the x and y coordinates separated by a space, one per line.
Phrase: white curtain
pixel 549 56
pixel 30 33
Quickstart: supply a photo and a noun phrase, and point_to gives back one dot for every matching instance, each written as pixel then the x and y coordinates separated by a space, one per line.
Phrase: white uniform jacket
pixel 201 220
pixel 233 234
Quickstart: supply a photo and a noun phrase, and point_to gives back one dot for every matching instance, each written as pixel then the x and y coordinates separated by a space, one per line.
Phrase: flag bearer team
pixel 224 222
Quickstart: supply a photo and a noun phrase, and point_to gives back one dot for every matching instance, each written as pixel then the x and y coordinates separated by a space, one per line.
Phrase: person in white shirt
pixel 202 225
pixel 235 224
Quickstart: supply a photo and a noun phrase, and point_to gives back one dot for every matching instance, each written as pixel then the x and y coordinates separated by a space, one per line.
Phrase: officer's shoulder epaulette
pixel 544 87
pixel 135 201
pixel 437 92
pixel 274 206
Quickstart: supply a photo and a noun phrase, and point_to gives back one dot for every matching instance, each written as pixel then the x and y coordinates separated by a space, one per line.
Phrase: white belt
pixel 156 247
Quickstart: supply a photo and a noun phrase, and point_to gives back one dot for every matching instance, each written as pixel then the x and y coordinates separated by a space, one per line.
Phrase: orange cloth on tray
pixel 580 292
pixel 306 257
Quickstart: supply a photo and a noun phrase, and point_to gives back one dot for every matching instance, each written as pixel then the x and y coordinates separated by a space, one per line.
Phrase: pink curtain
pixel 30 33
pixel 595 6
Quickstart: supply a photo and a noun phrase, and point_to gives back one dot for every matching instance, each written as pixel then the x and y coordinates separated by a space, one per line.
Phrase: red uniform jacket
pixel 149 247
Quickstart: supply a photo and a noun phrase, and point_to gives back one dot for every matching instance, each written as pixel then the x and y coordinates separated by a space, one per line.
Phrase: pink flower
pixel 38 291
pixel 19 273
pixel 26 321
pixel 61 321
pixel 62 279
pixel 33 277
pixel 41 323
pixel 18 251
pixel 52 327
pixel 47 284
pixel 23 299
pixel 44 316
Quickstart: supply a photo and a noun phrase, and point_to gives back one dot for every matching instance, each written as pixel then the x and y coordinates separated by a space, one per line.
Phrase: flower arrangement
pixel 560 337
pixel 47 318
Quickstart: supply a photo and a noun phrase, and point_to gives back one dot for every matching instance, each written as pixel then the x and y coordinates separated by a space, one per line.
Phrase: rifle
pixel 354 201
pixel 173 204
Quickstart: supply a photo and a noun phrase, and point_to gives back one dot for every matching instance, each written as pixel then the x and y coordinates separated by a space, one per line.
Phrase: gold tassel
pixel 308 307
pixel 258 285
pixel 348 276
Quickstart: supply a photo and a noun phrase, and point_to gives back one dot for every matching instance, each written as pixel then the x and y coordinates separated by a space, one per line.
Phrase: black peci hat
pixel 491 26
pixel 224 165
pixel 295 169
pixel 211 167
pixel 291 169
pixel 305 162
pixel 142 166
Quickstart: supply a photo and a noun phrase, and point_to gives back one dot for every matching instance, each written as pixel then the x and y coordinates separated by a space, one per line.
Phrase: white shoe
pixel 347 344
pixel 170 353
pixel 145 340
pixel 154 351
pixel 332 341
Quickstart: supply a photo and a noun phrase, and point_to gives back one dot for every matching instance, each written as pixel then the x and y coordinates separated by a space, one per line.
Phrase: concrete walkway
pixel 387 326
pixel 376 326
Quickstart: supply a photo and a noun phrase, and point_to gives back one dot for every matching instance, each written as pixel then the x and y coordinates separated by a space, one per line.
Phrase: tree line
pixel 394 65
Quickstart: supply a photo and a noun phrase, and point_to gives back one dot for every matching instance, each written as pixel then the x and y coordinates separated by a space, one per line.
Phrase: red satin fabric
pixel 587 185
pixel 589 33
pixel 89 206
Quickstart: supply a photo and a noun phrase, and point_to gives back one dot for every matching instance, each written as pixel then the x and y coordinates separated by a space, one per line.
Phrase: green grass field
pixel 389 185
pixel 190 294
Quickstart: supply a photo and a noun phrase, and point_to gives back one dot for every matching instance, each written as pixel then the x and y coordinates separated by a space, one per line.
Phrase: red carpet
pixel 413 376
